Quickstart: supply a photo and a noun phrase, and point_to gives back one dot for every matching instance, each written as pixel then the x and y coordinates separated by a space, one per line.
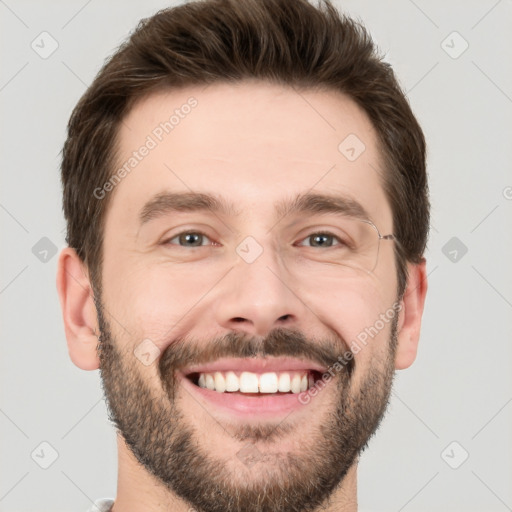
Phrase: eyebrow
pixel 310 203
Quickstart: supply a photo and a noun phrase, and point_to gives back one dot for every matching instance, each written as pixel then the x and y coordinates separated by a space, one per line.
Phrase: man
pixel 246 198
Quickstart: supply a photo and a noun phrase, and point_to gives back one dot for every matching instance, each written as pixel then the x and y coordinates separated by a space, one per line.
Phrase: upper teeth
pixel 249 382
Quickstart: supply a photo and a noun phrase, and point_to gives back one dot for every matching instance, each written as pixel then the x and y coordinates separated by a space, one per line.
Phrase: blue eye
pixel 189 239
pixel 196 239
pixel 322 239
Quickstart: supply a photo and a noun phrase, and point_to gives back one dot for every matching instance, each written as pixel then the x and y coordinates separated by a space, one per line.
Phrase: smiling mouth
pixel 256 384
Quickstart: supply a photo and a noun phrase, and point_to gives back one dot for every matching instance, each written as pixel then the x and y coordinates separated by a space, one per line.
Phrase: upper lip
pixel 256 365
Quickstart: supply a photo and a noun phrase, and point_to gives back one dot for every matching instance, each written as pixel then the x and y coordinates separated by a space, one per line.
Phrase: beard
pixel 167 445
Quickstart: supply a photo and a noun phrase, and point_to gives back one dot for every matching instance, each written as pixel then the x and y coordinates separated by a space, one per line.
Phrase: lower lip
pixel 265 405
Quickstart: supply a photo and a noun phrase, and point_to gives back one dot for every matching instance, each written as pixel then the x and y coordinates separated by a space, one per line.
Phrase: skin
pixel 254 144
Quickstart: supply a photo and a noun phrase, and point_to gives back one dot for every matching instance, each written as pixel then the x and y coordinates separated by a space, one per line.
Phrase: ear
pixel 409 320
pixel 78 310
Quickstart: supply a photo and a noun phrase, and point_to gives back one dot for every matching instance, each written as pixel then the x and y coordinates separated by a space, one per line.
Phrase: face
pixel 269 305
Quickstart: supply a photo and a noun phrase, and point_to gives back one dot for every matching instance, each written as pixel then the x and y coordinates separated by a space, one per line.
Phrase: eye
pixel 322 239
pixel 188 239
pixel 197 239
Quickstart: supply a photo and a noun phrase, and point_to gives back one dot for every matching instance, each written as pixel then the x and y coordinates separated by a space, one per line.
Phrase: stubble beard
pixel 165 442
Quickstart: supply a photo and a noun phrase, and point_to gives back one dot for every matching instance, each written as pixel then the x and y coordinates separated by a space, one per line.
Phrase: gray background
pixel 459 389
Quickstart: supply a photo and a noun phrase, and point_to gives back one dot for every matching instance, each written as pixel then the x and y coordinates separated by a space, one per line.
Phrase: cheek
pixel 350 303
pixel 360 313
pixel 156 299
pixel 371 345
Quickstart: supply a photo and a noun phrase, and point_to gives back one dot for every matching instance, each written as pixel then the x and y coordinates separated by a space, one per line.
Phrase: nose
pixel 260 296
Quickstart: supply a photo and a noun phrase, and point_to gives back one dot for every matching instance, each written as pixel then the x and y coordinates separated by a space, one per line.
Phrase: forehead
pixel 253 143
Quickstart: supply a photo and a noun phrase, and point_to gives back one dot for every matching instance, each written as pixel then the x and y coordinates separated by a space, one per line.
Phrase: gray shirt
pixel 102 505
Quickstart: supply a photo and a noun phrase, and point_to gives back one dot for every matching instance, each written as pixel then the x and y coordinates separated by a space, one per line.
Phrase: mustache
pixel 185 351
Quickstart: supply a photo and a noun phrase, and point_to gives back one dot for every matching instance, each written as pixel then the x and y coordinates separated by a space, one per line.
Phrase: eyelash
pixel 326 233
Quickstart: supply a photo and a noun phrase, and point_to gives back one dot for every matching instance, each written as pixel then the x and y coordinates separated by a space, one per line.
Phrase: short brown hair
pixel 280 41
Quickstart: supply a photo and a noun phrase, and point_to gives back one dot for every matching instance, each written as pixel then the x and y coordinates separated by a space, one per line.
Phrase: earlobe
pixel 409 322
pixel 78 310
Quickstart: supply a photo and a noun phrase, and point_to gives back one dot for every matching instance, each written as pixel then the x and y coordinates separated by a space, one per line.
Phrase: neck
pixel 139 491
